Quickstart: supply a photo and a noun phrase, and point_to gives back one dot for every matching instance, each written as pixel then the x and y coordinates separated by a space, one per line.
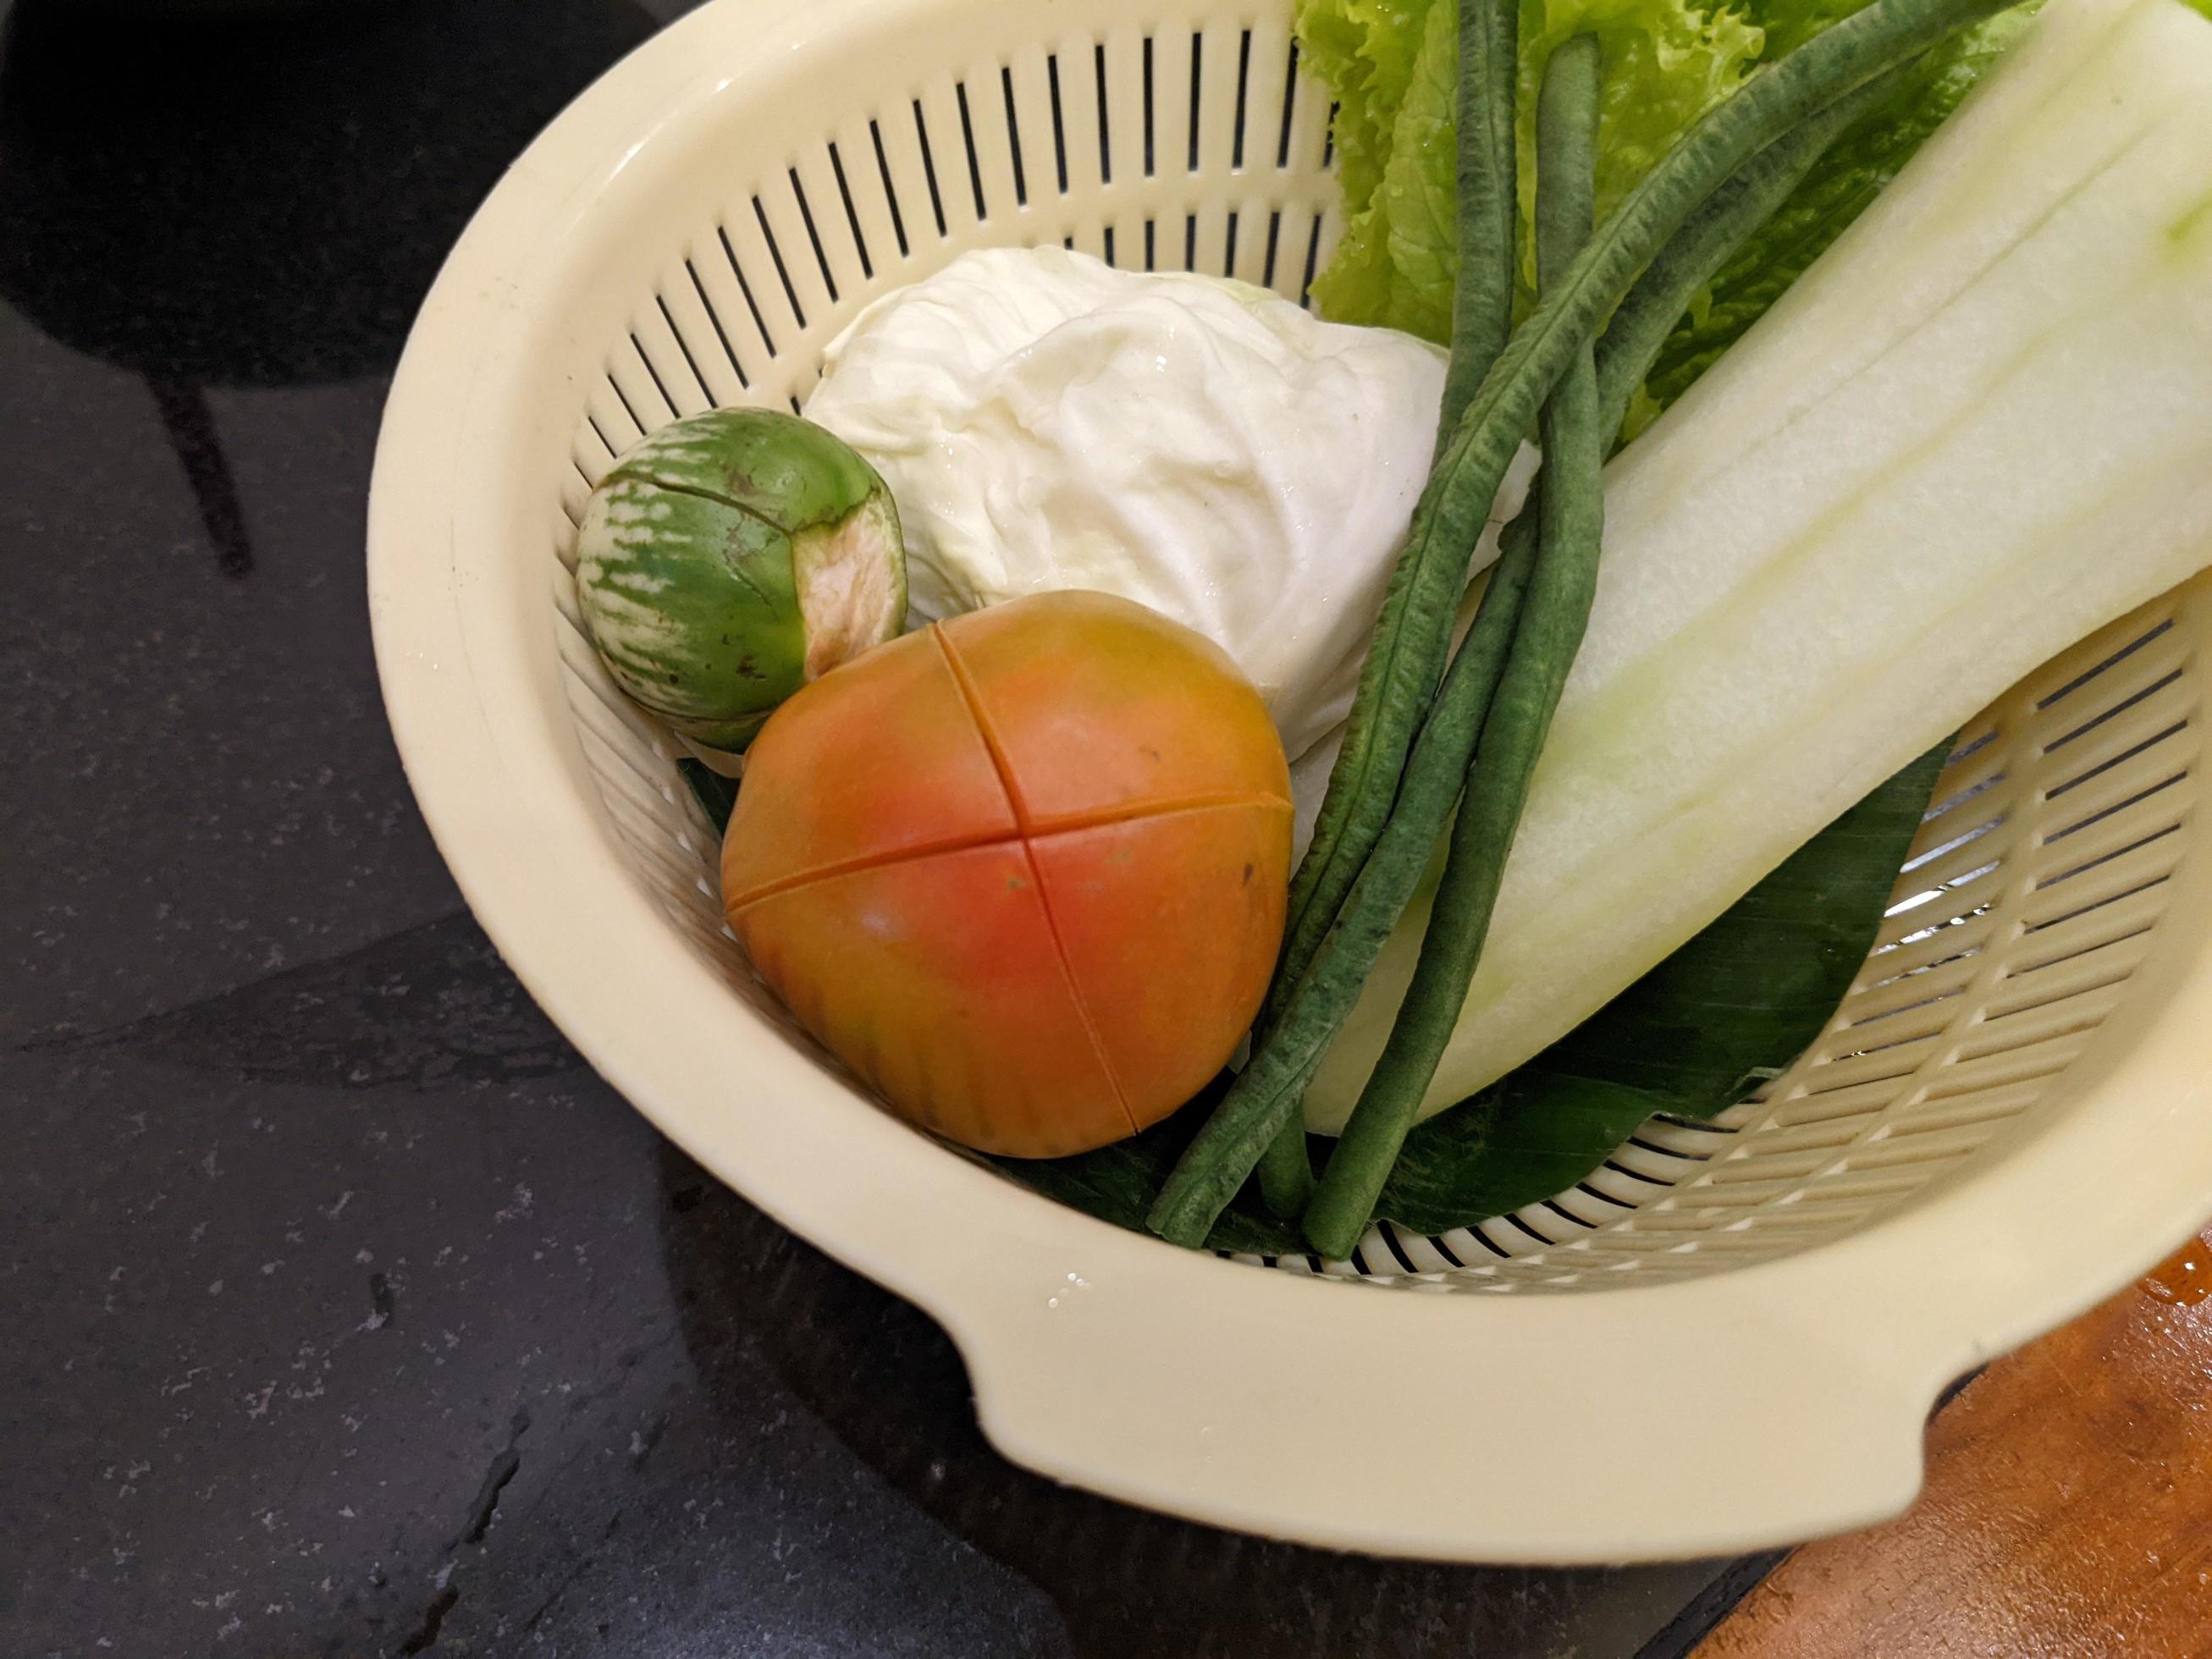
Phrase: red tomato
pixel 1024 872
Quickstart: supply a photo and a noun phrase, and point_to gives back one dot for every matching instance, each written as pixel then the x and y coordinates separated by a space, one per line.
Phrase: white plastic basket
pixel 1727 1337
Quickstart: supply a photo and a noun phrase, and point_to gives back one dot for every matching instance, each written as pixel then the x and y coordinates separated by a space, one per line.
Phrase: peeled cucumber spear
pixel 730 557
pixel 1412 637
pixel 1497 787
pixel 1978 429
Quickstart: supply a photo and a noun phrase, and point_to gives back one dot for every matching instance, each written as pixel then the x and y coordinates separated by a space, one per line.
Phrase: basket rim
pixel 1166 1378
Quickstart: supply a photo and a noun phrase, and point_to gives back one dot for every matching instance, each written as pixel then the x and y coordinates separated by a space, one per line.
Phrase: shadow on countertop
pixel 263 200
pixel 888 1383
pixel 655 1385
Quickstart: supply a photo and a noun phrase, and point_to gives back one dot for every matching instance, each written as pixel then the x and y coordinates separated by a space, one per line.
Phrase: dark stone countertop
pixel 349 1312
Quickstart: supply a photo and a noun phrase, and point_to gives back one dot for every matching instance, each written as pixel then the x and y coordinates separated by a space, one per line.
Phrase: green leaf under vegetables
pixel 717 795
pixel 1738 1002
pixel 1118 1183
pixel 1692 1037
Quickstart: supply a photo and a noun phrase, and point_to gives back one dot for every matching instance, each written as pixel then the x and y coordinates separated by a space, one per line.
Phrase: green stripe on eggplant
pixel 730 557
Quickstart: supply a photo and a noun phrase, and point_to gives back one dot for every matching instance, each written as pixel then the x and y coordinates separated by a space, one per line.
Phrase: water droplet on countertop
pixel 2183 1279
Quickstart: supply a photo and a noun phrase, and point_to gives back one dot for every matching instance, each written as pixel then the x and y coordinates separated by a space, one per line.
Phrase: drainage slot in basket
pixel 2021 970
pixel 1936 1001
pixel 1197 59
pixel 1059 124
pixel 1971 746
pixel 2103 666
pixel 1014 136
pixel 852 213
pixel 1618 1203
pixel 1105 134
pixel 929 166
pixel 1390 1234
pixel 684 346
pixel 975 160
pixel 1957 841
pixel 814 236
pixel 744 288
pixel 891 190
pixel 2035 927
pixel 1274 237
pixel 1922 934
pixel 744 381
pixel 1312 263
pixel 1445 1251
pixel 615 386
pixel 2124 756
pixel 1244 86
pixel 2136 845
pixel 775 258
pixel 1290 108
pixel 1516 1222
pixel 1858 1082
pixel 2135 799
pixel 1950 803
pixel 1949 889
pixel 1146 50
pixel 653 375
pixel 1483 1239
pixel 1696 1125
pixel 2171 676
pixel 2000 1011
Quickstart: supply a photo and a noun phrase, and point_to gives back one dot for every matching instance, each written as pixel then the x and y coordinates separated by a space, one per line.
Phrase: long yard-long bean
pixel 1482 321
pixel 1570 516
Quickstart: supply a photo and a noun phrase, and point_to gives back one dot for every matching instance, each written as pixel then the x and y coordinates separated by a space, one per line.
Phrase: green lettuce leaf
pixel 1365 52
pixel 1397 262
pixel 1393 70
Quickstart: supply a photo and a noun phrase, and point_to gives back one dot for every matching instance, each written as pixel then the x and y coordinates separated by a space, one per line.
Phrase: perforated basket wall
pixel 2033 894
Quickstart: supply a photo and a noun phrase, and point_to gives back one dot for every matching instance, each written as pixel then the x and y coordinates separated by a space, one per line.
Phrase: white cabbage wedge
pixel 1978 429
